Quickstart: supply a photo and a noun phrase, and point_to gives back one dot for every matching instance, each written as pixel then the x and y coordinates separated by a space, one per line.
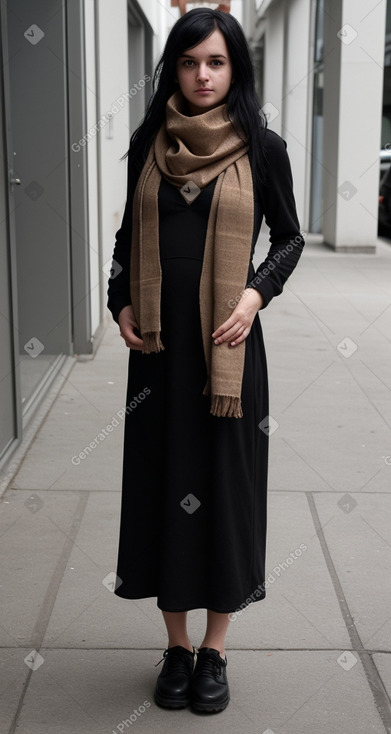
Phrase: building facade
pixel 322 80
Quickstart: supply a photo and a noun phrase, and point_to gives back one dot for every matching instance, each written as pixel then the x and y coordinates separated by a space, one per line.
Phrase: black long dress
pixel 194 490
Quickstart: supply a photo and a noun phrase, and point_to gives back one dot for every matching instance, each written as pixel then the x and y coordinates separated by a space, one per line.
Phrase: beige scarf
pixel 191 151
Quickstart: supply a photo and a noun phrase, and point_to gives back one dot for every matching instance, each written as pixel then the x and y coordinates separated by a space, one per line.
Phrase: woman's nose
pixel 203 72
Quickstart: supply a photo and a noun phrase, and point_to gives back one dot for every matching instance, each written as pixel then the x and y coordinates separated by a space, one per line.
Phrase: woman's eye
pixel 189 63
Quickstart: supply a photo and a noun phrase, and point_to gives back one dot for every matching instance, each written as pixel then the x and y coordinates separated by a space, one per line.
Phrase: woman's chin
pixel 203 104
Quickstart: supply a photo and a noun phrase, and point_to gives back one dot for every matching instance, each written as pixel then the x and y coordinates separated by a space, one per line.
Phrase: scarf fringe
pixel 152 342
pixel 226 406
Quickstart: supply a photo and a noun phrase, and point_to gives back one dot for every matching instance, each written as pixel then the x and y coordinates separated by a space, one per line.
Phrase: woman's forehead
pixel 213 45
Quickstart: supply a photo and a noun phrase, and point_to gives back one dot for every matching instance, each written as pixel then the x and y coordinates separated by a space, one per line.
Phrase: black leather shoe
pixel 172 689
pixel 209 685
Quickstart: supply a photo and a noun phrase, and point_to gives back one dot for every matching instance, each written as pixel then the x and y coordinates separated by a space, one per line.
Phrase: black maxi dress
pixel 194 486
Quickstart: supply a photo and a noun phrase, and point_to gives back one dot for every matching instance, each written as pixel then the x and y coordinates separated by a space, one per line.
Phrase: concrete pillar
pixel 352 108
pixel 274 64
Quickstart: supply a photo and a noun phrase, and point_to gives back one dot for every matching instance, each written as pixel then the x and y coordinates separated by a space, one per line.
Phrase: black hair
pixel 243 106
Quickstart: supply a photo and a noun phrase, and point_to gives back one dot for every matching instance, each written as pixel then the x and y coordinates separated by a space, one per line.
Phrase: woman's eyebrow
pixel 211 56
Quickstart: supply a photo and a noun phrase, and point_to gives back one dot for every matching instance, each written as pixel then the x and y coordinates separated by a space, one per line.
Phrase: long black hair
pixel 243 106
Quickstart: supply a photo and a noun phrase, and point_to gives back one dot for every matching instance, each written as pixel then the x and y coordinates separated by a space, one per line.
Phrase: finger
pixel 240 339
pixel 231 333
pixel 239 336
pixel 133 342
pixel 131 346
pixel 131 339
pixel 226 325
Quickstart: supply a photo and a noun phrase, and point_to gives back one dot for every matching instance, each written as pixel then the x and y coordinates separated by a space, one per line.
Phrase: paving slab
pixel 358 539
pixel 35 529
pixel 83 692
pixel 337 451
pixel 83 410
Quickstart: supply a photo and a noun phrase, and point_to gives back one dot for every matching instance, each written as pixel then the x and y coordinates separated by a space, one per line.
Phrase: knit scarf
pixel 190 152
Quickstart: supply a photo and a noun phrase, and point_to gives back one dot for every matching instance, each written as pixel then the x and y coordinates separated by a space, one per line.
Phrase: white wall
pixel 113 139
pixel 92 163
pixel 287 86
pixel 273 64
pixel 296 92
pixel 352 119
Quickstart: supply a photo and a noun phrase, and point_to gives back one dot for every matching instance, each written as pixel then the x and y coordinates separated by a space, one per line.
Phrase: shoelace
pixel 174 657
pixel 209 665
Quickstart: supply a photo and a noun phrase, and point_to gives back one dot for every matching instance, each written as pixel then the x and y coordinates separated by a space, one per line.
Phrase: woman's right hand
pixel 127 325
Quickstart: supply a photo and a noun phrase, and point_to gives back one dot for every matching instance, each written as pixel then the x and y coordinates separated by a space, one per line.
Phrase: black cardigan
pixel 275 201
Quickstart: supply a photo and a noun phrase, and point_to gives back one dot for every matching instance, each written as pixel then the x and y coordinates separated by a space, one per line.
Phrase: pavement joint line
pixel 369 651
pixel 61 489
pixel 290 491
pixel 18 710
pixel 374 680
pixel 58 572
pixel 48 602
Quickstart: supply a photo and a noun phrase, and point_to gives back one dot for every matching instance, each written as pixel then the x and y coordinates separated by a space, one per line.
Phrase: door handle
pixel 13 180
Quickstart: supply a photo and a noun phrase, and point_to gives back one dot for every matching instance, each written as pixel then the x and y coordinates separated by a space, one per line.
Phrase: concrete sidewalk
pixel 314 656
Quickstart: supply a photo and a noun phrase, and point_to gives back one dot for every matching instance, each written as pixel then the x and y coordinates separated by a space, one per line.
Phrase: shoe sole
pixel 210 708
pixel 171 703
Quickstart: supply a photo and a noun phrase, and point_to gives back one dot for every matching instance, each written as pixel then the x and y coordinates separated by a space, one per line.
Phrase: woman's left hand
pixel 237 327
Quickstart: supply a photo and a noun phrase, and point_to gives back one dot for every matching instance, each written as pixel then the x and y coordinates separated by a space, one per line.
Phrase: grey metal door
pixel 37 69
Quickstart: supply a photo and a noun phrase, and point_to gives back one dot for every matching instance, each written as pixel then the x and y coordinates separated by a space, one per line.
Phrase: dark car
pixel 384 221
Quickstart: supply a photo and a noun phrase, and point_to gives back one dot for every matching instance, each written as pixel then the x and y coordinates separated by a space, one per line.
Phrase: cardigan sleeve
pixel 118 291
pixel 286 240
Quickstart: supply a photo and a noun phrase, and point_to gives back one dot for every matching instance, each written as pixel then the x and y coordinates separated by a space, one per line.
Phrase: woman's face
pixel 204 73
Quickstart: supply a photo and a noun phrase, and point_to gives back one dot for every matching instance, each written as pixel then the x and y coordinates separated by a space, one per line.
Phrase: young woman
pixel 203 170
